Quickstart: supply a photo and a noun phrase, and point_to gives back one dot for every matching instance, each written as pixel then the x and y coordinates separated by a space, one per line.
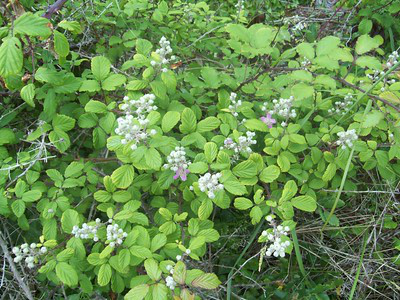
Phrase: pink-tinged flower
pixel 182 173
pixel 268 120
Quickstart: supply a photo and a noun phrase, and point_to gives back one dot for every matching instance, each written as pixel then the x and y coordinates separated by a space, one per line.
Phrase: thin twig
pixel 14 270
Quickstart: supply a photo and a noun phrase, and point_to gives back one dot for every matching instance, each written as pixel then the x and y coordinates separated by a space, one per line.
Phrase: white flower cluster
pixel 115 235
pixel 243 145
pixel 87 231
pixel 210 184
pixel 239 6
pixel 342 106
pixel 305 63
pixel 392 60
pixel 177 162
pixel 274 236
pixel 347 138
pixel 133 128
pixel 298 23
pixel 235 104
pixel 282 108
pixel 376 75
pixel 140 107
pixel 28 253
pixel 164 51
pixel 169 280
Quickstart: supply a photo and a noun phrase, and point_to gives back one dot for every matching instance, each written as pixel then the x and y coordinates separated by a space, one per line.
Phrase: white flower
pixel 170 283
pixel 115 235
pixel 178 257
pixel 176 161
pixel 274 236
pixel 281 108
pixel 343 106
pixel 243 146
pixel 347 138
pixel 188 251
pixel 210 184
pixel 236 104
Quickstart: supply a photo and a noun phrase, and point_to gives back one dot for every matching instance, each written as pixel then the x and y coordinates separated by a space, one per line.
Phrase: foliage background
pixel 62 80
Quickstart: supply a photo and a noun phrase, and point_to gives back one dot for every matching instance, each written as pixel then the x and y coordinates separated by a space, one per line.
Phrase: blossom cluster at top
pixel 235 104
pixel 375 77
pixel 29 253
pixel 133 125
pixel 342 106
pixel 209 183
pixel 87 231
pixel 282 108
pixel 164 52
pixel 347 138
pixel 239 6
pixel 274 236
pixel 115 235
pixel 242 146
pixel 392 60
pixel 177 162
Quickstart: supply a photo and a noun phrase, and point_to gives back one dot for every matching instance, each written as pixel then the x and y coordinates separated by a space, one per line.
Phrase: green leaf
pixel 72 26
pixel 31 196
pixel 100 67
pixel 365 43
pixel 210 77
pixel 197 242
pixel 245 169
pixel 256 124
pixel 74 169
pixel 69 219
pixel 140 251
pixel 18 208
pixel 198 167
pixel 153 158
pixel 136 85
pixel 32 25
pixel 158 241
pixel 138 292
pixel 305 50
pixel 159 89
pixel 208 124
pixel 365 26
pixel 28 94
pixel 235 187
pixel 90 86
pixel 143 46
pixel 242 203
pixel 205 209
pixel 269 174
pixel 207 281
pixel 104 275
pixel 305 203
pixel 170 119
pixel 67 274
pixel 372 119
pixel 210 151
pixel 188 119
pixel 11 58
pixel 179 274
pixel 61 45
pixel 97 107
pixel 302 91
pixel 289 190
pixel 152 269
pixel 7 136
pixel 329 172
pixel 123 176
pixel 63 123
pixel 113 81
